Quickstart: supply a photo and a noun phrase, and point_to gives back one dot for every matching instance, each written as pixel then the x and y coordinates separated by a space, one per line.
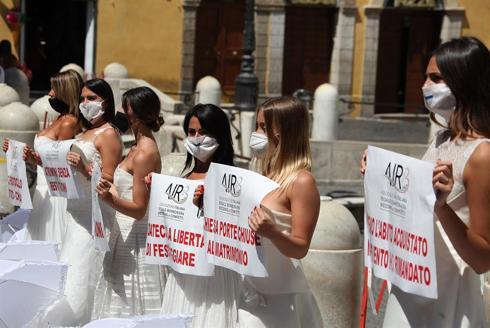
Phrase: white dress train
pixel 128 286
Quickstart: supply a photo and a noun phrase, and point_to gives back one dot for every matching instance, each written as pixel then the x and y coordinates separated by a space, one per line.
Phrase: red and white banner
pixel 398 221
pixel 59 175
pixel 18 186
pixel 175 234
pixel 98 230
pixel 230 195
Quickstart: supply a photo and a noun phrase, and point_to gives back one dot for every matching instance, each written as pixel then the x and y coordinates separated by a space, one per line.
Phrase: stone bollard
pixel 8 95
pixel 76 68
pixel 325 116
pixel 208 91
pixel 116 71
pixel 15 78
pixel 44 112
pixel 18 122
pixel 333 265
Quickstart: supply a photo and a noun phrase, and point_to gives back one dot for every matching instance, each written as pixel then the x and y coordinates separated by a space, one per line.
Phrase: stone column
pixel 343 49
pixel 371 41
pixel 270 25
pixel 452 23
pixel 188 42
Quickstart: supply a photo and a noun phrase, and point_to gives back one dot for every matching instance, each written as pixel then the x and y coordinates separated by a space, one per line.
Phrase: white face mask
pixel 202 147
pixel 439 99
pixel 91 110
pixel 258 143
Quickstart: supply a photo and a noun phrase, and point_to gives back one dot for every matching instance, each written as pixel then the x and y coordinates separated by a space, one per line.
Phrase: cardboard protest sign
pixel 230 195
pixel 98 230
pixel 398 222
pixel 60 176
pixel 18 186
pixel 176 227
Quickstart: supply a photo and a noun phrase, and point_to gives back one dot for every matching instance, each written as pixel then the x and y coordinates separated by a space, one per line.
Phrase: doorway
pixel 218 43
pixel 55 36
pixel 407 37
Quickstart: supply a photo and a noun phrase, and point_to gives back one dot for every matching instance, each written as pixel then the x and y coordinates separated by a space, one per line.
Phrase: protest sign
pixel 230 196
pixel 98 230
pixel 18 186
pixel 175 234
pixel 59 175
pixel 398 221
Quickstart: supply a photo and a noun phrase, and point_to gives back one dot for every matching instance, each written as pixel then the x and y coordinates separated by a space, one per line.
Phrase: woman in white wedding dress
pixel 100 143
pixel 212 300
pixel 129 286
pixel 286 218
pixel 47 220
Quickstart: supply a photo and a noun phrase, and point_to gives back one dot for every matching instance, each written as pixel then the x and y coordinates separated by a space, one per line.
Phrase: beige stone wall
pixel 144 35
pixel 476 19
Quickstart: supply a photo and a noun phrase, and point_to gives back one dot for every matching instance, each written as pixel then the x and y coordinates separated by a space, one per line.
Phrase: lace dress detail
pixel 47 220
pixel 128 286
pixel 78 250
pixel 460 299
pixel 283 299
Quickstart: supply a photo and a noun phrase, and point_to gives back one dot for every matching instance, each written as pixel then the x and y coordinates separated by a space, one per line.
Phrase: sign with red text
pixel 98 230
pixel 230 194
pixel 59 175
pixel 175 234
pixel 18 186
pixel 398 221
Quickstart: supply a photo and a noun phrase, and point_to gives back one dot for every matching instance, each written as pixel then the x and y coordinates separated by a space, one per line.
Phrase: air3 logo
pixel 397 175
pixel 232 184
pixel 177 192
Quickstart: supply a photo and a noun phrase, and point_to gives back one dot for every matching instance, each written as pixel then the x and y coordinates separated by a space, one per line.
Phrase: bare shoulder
pixel 147 149
pixel 68 120
pixel 304 179
pixel 479 159
pixel 110 134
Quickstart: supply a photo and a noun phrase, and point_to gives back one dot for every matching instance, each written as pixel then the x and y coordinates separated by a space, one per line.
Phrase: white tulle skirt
pixel 212 300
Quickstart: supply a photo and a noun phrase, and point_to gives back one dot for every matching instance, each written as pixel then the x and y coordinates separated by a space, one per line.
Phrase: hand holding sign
pixel 443 181
pixel 261 221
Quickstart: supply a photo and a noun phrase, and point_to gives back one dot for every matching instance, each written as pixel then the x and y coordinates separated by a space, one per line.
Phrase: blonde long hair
pixel 287 128
pixel 67 87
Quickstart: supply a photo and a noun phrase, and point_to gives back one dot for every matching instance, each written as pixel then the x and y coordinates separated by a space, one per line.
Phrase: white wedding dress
pixel 47 220
pixel 78 250
pixel 128 286
pixel 283 299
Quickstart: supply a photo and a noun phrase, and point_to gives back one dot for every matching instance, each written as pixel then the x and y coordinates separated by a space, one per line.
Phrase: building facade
pixel 374 51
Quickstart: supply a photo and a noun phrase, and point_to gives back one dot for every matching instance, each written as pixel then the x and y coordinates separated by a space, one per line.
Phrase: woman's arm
pixel 305 207
pixel 471 242
pixel 143 164
pixel 109 145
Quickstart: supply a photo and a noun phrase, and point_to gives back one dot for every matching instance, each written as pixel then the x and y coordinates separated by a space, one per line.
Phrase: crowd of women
pixel 120 284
